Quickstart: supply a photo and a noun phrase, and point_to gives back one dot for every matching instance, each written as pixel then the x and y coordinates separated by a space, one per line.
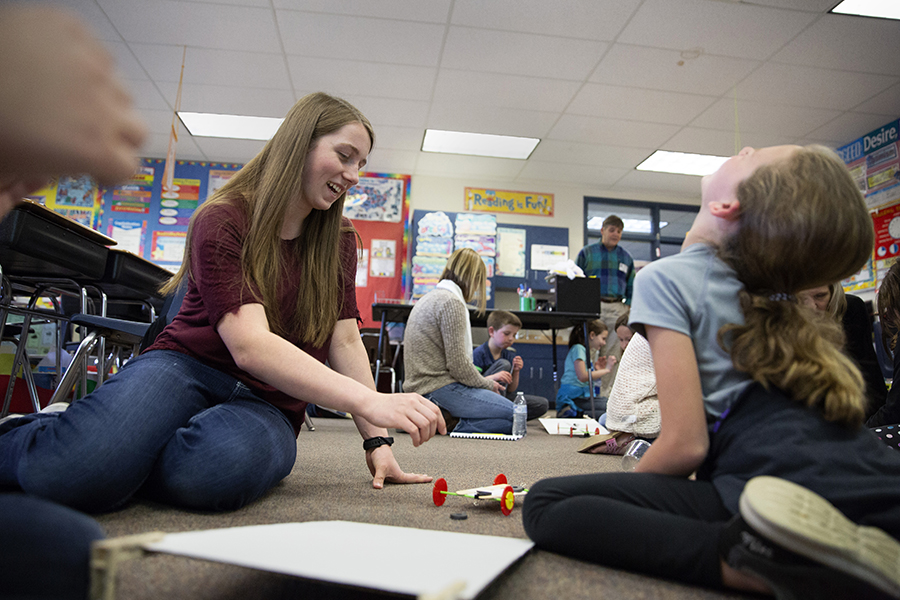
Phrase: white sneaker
pixel 55 407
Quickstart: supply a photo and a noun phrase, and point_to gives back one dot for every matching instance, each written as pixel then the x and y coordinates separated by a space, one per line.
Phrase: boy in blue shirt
pixel 498 361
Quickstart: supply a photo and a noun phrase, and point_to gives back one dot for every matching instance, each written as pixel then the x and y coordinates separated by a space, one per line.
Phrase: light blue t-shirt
pixel 695 293
pixel 576 352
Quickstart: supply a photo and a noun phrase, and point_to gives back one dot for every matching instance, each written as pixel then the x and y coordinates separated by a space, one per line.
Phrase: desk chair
pixel 128 336
pixel 121 334
pixel 381 362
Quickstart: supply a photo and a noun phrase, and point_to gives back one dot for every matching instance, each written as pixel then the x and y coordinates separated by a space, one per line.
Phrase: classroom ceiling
pixel 602 83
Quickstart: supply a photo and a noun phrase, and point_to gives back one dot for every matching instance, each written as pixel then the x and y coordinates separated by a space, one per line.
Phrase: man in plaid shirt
pixel 614 267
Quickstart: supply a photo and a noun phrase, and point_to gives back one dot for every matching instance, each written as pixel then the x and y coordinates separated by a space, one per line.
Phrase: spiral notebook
pixel 487 436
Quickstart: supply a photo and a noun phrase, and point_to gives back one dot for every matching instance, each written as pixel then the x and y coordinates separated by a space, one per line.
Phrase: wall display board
pixel 153 224
pixel 514 254
pixel 874 162
pixel 379 208
pixel 434 235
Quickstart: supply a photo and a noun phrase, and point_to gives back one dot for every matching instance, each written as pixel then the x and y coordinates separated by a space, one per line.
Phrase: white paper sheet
pixel 394 559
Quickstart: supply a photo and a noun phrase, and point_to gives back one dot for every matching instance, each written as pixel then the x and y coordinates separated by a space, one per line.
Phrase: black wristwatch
pixel 375 442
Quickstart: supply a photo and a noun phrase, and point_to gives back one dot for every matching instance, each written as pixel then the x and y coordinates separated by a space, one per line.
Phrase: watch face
pixel 894 227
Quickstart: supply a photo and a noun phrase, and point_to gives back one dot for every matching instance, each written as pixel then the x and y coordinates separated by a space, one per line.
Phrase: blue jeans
pixel 478 410
pixel 167 425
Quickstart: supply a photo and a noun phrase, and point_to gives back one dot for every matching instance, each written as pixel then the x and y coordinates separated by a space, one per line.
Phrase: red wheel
pixel 500 479
pixel 507 500
pixel 438 494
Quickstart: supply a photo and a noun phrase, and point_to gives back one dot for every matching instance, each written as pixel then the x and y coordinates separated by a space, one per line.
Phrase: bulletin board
pixel 151 224
pixel 874 162
pixel 378 206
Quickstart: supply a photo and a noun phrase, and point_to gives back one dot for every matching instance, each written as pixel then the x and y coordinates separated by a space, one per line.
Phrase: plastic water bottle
pixel 520 414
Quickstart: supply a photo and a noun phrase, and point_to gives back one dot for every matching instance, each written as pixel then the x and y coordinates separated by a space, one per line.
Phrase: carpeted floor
pixel 331 482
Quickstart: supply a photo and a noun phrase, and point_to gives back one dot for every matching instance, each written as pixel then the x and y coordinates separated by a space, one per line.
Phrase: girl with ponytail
pixel 756 399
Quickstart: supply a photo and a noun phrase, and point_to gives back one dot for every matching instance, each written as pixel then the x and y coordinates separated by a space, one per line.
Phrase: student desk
pixel 41 250
pixel 543 320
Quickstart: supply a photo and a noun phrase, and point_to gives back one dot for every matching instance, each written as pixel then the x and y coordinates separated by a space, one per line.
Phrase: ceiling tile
pixel 590 154
pixel 815 6
pixel 398 138
pixel 432 11
pixel 341 77
pixel 388 111
pixel 488 119
pixel 95 18
pixel 638 104
pixel 656 68
pixel 586 19
pixel 808 86
pixel 883 103
pixel 571 174
pixel 686 186
pixel 227 150
pixel 848 127
pixel 721 28
pixel 127 66
pixel 759 117
pixel 592 130
pixel 205 66
pixel 833 42
pixel 719 142
pixel 230 100
pixel 196 24
pixel 506 91
pixel 147 96
pixel 389 160
pixel 157 145
pixel 520 53
pixel 468 167
pixel 381 40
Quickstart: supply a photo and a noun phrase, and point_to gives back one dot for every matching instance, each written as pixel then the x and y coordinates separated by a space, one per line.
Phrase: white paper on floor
pixel 394 559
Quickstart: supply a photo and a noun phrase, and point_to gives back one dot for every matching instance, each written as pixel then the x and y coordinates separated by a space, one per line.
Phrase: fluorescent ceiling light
pixel 881 9
pixel 631 225
pixel 230 126
pixel 682 163
pixel 478 144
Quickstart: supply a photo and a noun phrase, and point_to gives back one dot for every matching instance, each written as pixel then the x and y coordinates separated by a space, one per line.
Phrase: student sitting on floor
pixel 792 496
pixel 498 361
pixel 573 397
pixel 438 351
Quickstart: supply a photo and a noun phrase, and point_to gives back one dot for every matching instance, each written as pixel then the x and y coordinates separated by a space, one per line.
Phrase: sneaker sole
pixel 804 522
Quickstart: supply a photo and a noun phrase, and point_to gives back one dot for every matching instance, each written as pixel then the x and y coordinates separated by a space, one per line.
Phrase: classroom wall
pixel 442 193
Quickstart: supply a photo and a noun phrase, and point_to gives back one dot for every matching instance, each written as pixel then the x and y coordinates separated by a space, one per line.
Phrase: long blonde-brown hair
pixel 803 224
pixel 263 189
pixel 466 269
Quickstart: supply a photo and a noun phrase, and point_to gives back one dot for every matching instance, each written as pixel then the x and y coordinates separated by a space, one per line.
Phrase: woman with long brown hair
pixel 207 417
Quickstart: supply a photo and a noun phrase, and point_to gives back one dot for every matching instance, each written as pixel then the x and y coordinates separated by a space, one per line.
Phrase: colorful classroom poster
pixel 177 206
pixel 134 197
pixel 168 246
pixel 384 258
pixel 377 198
pixel 128 234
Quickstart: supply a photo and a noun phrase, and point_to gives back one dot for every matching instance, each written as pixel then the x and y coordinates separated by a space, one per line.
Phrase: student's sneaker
pixel 803 547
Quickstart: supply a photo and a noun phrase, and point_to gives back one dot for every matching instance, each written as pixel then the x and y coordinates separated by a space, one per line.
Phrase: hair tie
pixel 782 297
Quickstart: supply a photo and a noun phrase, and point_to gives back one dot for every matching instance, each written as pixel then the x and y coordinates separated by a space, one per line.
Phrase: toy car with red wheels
pixel 501 491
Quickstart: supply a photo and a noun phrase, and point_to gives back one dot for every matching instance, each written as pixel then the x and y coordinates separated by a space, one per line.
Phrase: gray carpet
pixel 331 482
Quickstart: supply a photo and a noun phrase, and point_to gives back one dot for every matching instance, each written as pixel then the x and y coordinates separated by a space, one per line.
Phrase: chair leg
pixel 68 379
pixel 308 421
